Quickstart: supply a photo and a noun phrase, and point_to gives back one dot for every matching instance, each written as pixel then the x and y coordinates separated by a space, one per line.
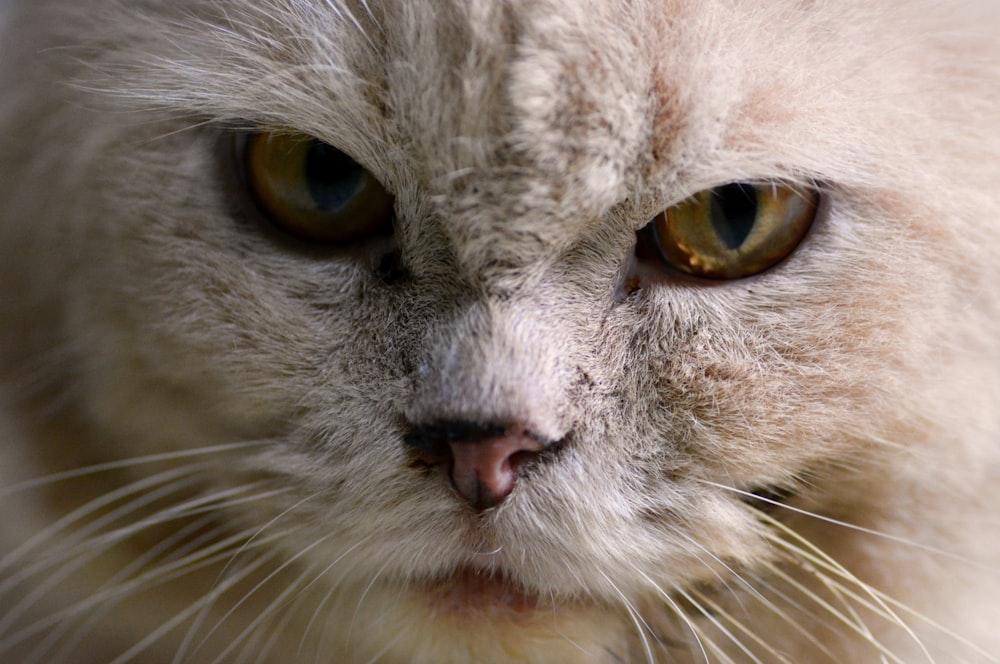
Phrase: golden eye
pixel 735 230
pixel 313 190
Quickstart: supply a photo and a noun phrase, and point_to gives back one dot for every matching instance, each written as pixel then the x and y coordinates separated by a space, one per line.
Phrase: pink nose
pixel 482 459
pixel 484 470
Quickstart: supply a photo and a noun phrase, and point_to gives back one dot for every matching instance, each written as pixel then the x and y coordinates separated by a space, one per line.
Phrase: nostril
pixel 485 471
pixel 484 461
pixel 429 449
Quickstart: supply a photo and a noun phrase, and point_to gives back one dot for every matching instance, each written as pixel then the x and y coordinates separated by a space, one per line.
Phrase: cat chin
pixel 479 618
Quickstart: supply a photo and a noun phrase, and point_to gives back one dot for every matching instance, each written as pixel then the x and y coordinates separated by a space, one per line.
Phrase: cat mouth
pixel 474 592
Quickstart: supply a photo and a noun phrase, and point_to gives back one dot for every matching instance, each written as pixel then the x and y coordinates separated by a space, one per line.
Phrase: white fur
pixel 147 313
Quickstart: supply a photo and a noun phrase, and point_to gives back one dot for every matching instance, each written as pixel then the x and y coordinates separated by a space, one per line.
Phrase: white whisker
pixel 856 528
pixel 364 594
pixel 164 573
pixel 861 630
pixel 287 563
pixel 179 475
pixel 277 518
pixel 180 617
pixel 187 642
pixel 329 594
pixel 790 621
pixel 69 559
pixel 729 618
pixel 170 547
pixel 722 628
pixel 388 646
pixel 818 557
pixel 279 630
pixel 99 544
pixel 640 625
pixel 678 611
pixel 701 549
pixel 126 463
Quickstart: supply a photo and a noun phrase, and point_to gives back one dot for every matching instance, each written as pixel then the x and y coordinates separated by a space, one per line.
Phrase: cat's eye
pixel 314 191
pixel 733 231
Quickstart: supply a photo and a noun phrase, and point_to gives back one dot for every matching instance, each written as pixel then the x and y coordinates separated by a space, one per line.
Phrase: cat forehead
pixel 578 89
pixel 464 86
pixel 532 117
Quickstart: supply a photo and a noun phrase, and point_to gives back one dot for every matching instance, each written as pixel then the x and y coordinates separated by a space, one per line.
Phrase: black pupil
pixel 734 212
pixel 333 177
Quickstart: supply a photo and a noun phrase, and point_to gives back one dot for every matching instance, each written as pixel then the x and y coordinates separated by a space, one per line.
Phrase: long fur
pixel 203 457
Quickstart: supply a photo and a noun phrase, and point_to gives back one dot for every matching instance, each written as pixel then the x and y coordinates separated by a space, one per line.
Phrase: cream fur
pixel 146 312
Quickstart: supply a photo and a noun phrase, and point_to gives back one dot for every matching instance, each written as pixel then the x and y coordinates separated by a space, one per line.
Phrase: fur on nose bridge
pixel 493 364
pixel 502 245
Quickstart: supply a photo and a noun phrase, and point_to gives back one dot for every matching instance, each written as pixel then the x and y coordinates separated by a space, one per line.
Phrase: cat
pixel 499 331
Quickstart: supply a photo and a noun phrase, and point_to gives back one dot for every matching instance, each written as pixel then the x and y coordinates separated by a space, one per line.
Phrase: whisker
pixel 273 606
pixel 157 576
pixel 836 590
pixel 725 582
pixel 233 565
pixel 264 652
pixel 678 611
pixel 840 591
pixel 135 505
pixel 755 593
pixel 126 463
pixel 186 643
pixel 94 546
pixel 364 594
pixel 887 605
pixel 822 559
pixel 180 617
pixel 980 652
pixel 722 628
pixel 69 560
pixel 856 528
pixel 170 546
pixel 329 595
pixel 882 608
pixel 252 642
pixel 717 609
pixel 177 474
pixel 794 624
pixel 636 619
pixel 381 653
pixel 861 630
pixel 277 518
pixel 287 563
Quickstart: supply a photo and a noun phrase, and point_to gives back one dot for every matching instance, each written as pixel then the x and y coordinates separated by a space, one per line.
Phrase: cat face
pixel 501 419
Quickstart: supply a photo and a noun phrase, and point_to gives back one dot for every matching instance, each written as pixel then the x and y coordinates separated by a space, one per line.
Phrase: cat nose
pixel 485 471
pixel 483 460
